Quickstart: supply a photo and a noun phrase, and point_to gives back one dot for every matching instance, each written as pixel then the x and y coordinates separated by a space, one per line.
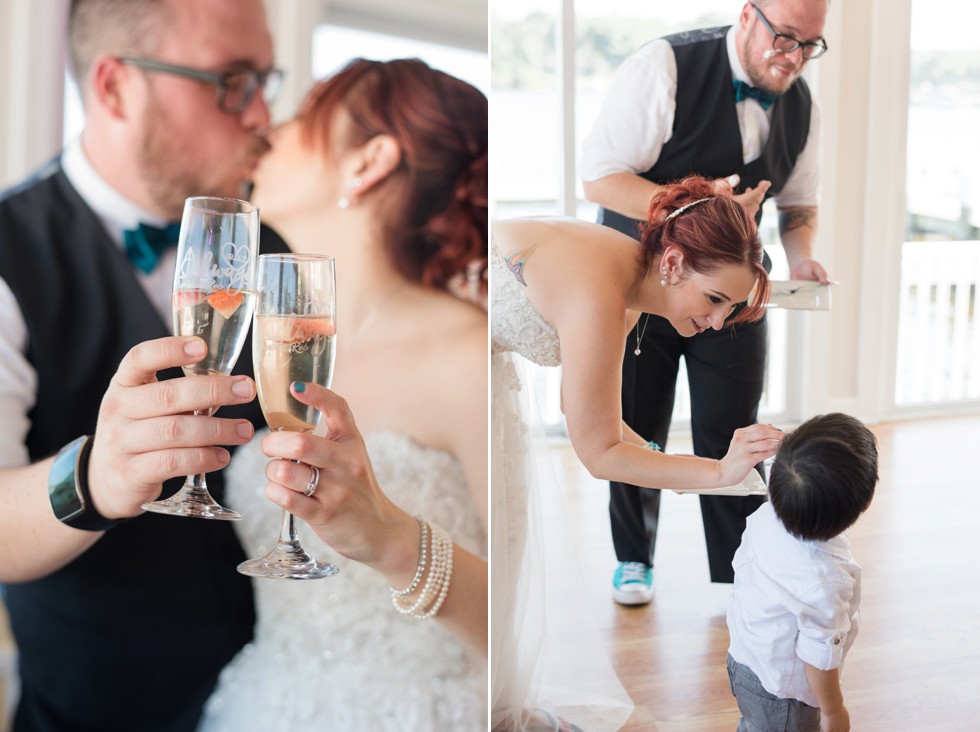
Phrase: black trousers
pixel 726 375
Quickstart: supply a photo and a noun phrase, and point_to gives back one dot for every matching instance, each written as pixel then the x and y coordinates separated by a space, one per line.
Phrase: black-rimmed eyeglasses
pixel 787 44
pixel 236 89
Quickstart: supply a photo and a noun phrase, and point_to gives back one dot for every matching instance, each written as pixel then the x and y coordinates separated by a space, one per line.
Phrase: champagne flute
pixel 213 298
pixel 292 340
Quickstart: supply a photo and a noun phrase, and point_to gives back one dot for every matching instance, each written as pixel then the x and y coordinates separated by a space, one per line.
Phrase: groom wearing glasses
pixel 123 620
pixel 727 103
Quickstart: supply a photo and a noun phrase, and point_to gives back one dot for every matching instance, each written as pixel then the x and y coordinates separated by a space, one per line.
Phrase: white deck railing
pixel 938 336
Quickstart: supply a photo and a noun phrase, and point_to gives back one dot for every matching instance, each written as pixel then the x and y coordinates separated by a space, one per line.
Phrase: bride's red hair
pixel 713 232
pixel 436 208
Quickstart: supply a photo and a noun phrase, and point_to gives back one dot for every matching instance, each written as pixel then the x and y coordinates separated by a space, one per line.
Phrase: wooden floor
pixel 915 665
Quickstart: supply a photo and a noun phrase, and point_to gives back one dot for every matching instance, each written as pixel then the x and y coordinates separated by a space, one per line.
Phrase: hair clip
pixel 682 209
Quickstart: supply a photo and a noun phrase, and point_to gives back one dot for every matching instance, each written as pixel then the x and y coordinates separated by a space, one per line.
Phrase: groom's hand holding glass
pixel 147 431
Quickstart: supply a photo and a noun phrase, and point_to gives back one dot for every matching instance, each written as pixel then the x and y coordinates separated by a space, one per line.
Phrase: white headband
pixel 682 209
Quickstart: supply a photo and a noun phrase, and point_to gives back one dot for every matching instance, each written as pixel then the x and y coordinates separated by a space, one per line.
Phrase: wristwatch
pixel 68 488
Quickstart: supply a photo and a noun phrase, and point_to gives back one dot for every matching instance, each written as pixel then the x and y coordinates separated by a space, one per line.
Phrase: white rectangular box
pixel 752 485
pixel 799 295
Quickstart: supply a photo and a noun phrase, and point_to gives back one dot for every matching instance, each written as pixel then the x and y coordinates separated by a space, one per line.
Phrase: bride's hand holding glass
pixel 348 510
pixel 293 340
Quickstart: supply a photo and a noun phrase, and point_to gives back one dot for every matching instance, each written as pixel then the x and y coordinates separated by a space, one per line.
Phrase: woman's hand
pixel 750 446
pixel 347 510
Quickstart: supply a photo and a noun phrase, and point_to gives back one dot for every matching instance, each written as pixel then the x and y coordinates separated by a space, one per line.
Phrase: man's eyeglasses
pixel 787 44
pixel 236 89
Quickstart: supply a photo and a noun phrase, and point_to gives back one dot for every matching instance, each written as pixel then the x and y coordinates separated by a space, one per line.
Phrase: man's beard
pixel 757 69
pixel 166 172
pixel 160 166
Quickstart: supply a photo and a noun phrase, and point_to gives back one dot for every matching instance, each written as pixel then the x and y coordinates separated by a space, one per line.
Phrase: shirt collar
pixel 116 212
pixel 838 546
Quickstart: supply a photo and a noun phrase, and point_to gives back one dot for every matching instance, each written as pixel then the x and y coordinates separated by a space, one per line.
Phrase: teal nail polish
pixel 299 387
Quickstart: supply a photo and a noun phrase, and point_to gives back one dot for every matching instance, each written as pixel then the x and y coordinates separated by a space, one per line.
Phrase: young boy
pixel 793 613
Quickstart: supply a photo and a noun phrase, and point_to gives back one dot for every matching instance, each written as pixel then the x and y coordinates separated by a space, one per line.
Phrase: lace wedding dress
pixel 547 658
pixel 333 654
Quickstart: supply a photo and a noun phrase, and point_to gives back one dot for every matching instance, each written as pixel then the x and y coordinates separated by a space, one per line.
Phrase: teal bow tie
pixel 744 91
pixel 146 243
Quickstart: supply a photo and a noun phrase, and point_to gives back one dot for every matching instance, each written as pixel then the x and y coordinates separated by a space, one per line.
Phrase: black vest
pixel 706 140
pixel 132 634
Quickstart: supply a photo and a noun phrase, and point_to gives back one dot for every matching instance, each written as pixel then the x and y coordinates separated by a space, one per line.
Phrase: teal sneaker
pixel 633 583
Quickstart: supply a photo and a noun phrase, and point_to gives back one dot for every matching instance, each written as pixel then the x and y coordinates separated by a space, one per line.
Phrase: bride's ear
pixel 377 159
pixel 672 262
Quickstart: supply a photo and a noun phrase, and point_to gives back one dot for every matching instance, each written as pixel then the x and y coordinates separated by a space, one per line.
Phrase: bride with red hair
pixel 569 293
pixel 385 169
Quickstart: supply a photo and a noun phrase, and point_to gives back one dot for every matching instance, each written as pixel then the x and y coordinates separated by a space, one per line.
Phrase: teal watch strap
pixel 68 488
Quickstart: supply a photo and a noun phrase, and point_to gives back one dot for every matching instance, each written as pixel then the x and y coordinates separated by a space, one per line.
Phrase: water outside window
pixel 938 338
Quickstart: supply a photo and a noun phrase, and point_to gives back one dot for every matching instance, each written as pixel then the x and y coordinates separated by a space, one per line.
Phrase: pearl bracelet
pixel 420 570
pixel 436 585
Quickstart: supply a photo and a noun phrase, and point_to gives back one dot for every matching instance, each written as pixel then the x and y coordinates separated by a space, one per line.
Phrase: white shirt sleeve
pixel 637 116
pixel 825 619
pixel 802 188
pixel 18 383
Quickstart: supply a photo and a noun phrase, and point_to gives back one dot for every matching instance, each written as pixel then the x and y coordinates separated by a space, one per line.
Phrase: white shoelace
pixel 633 572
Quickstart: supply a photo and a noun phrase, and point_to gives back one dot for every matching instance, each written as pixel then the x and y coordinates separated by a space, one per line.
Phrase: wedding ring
pixel 314 479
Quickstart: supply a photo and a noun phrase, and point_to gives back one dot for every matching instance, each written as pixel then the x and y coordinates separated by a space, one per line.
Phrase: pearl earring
pixel 353 183
pixel 663 278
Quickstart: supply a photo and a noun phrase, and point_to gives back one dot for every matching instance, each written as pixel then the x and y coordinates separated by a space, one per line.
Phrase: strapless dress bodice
pixel 515 326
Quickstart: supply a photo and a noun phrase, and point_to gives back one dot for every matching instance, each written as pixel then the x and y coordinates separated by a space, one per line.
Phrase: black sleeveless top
pixel 706 139
pixel 131 634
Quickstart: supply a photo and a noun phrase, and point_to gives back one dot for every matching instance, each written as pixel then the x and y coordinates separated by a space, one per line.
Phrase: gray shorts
pixel 763 712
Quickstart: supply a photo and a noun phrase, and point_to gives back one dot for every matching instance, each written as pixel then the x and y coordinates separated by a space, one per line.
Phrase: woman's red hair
pixel 710 234
pixel 435 224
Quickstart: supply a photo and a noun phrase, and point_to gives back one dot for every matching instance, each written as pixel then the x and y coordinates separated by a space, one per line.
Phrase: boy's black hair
pixel 824 476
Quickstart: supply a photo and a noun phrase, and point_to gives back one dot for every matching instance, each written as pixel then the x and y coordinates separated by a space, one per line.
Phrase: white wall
pixel 31 84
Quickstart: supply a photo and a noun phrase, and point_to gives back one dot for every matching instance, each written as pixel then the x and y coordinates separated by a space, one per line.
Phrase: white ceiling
pixel 455 22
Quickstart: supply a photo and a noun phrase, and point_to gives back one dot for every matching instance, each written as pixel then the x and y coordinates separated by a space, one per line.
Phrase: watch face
pixel 64 491
pixel 68 492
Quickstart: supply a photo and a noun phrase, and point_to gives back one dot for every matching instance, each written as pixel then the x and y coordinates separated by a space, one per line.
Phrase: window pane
pixel 74 119
pixel 334 45
pixel 608 33
pixel 938 339
pixel 525 121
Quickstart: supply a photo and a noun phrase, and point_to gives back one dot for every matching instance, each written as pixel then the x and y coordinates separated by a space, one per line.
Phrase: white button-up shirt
pixel 18 380
pixel 637 119
pixel 794 601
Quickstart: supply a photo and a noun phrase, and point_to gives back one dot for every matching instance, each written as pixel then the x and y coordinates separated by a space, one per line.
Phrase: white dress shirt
pixel 794 601
pixel 18 380
pixel 637 119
